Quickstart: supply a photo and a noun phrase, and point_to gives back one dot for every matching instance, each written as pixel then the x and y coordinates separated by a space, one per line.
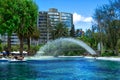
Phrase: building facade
pixel 14 39
pixel 48 19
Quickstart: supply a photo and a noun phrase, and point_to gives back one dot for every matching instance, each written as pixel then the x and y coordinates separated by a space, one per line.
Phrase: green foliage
pixel 118 50
pixel 0 41
pixel 36 34
pixel 90 37
pixel 60 30
pixel 27 13
pixel 74 53
pixel 7 16
pixel 34 49
pixel 15 48
pixel 19 17
pixel 108 53
pixel 1 49
pixel 118 43
pixel 72 31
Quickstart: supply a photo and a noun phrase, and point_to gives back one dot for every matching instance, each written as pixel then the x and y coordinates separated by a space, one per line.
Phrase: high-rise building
pixel 48 19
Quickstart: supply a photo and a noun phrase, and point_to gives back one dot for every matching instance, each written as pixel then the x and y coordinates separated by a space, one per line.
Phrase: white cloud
pixel 79 18
pixel 88 19
pixel 76 17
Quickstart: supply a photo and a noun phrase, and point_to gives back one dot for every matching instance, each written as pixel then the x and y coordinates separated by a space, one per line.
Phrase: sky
pixel 82 10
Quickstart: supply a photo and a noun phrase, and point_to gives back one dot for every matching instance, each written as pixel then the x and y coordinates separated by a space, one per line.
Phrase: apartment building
pixel 48 19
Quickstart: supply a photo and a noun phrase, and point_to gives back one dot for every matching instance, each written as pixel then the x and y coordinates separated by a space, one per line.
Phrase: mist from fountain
pixel 57 46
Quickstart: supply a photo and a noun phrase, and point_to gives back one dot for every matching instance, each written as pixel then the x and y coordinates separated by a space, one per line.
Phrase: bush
pixel 1 48
pixel 74 53
pixel 34 49
pixel 108 53
pixel 15 48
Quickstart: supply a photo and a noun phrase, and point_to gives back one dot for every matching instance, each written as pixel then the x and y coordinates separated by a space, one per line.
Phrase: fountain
pixel 53 48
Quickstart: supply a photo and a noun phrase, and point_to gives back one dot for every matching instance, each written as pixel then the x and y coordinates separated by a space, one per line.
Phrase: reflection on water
pixel 61 69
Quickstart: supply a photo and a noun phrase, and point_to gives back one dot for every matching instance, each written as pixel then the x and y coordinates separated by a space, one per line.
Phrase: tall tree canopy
pixel 107 18
pixel 19 17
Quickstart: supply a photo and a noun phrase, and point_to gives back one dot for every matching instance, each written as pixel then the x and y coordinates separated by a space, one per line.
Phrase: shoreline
pixel 98 58
pixel 87 57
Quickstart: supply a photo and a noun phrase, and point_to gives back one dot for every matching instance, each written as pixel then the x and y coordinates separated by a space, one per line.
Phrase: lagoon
pixel 60 68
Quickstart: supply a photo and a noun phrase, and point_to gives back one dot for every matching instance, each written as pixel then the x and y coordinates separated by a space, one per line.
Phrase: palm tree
pixel 60 30
pixel 32 33
pixel 72 31
pixel 28 18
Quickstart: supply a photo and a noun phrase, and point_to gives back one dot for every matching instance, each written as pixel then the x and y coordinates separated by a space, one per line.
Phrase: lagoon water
pixel 64 68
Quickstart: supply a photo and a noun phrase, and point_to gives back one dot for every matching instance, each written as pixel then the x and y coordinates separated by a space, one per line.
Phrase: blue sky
pixel 82 10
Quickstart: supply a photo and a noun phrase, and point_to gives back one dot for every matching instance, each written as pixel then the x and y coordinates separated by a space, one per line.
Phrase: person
pixel 16 57
pixel 19 57
pixel 7 52
pixel 4 53
pixel 11 56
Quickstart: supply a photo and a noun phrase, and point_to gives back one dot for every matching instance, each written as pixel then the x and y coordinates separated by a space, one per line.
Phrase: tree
pixel 60 30
pixel 28 18
pixel 19 17
pixel 108 20
pixel 72 31
pixel 8 19
pixel 33 33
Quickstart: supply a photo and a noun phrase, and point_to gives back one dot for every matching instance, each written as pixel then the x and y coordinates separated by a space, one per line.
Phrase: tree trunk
pixel 28 42
pixel 21 45
pixel 9 44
